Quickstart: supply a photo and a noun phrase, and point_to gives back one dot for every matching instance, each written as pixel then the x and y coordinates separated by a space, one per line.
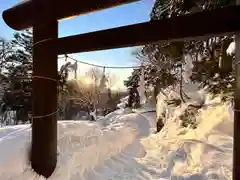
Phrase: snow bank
pixel 122 146
pixel 203 153
pixel 87 150
pixel 123 102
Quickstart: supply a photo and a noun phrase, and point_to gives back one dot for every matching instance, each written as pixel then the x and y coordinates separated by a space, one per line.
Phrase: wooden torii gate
pixel 43 16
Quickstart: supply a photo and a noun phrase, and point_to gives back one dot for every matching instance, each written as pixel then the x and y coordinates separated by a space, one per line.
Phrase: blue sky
pixel 123 15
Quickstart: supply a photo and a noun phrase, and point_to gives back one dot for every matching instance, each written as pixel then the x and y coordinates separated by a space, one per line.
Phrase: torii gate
pixel 43 16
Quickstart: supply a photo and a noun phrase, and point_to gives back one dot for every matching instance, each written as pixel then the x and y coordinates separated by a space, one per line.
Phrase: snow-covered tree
pixel 18 69
pixel 16 65
pixel 132 83
pixel 211 60
pixel 212 66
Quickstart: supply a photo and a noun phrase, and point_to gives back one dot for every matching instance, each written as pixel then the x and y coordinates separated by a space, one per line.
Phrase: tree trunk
pixel 130 98
pixel 68 110
pixel 137 98
pixel 156 89
pixel 226 60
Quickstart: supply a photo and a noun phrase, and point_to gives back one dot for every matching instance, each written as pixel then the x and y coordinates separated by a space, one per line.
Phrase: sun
pixel 87 80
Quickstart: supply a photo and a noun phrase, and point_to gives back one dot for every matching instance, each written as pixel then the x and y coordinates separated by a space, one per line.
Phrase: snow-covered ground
pixel 203 153
pixel 123 146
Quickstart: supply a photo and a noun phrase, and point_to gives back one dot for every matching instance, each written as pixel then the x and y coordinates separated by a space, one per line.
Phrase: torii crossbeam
pixel 43 16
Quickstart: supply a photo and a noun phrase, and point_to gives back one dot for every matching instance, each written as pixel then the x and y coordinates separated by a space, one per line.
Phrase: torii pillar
pixel 43 156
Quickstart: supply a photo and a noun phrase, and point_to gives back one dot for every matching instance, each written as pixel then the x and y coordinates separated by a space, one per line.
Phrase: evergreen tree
pixel 18 68
pixel 132 85
pixel 212 65
pixel 17 65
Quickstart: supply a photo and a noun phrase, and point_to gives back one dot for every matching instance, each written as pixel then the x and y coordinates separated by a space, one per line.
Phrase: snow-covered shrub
pixel 188 117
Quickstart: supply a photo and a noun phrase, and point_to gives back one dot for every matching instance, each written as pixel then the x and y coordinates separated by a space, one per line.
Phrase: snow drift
pixel 87 150
pixel 123 146
pixel 203 153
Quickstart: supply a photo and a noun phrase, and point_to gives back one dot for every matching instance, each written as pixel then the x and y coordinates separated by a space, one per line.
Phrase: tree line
pixel 16 64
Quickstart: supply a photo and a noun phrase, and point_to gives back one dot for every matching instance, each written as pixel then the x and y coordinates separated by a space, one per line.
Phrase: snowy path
pixel 86 150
